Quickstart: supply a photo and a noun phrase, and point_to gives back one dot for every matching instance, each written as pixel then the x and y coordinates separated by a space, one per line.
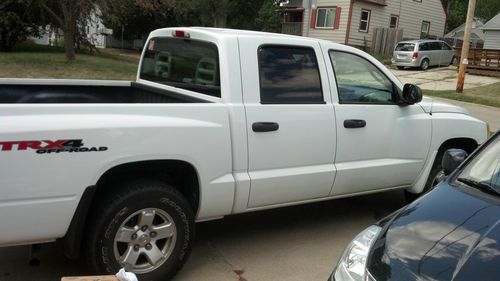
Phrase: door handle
pixel 354 123
pixel 259 127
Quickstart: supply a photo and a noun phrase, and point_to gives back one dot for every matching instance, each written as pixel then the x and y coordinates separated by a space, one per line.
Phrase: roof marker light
pixel 180 33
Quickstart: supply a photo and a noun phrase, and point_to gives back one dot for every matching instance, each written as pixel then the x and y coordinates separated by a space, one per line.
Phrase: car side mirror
pixel 452 158
pixel 412 94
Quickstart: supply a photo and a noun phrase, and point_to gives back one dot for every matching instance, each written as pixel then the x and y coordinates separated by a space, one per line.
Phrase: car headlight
pixel 352 264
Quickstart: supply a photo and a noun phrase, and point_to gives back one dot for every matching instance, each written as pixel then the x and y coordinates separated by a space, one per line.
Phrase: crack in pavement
pixel 236 269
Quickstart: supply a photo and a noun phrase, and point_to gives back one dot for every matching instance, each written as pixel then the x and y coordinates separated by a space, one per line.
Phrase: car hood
pixel 452 233
pixel 431 105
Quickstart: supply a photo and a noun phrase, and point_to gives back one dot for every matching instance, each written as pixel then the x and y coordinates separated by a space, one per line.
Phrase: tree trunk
pixel 69 40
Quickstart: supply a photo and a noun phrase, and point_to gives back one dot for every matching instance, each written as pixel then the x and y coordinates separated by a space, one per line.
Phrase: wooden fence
pixel 482 61
pixel 385 39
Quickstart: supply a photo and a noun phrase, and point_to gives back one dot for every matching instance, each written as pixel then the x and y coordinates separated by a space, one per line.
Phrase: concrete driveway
pixel 295 243
pixel 441 78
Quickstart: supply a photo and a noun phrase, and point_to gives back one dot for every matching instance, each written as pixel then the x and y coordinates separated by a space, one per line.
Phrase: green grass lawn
pixel 51 63
pixel 486 95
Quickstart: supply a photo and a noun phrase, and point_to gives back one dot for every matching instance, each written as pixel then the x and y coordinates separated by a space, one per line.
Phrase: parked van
pixel 423 53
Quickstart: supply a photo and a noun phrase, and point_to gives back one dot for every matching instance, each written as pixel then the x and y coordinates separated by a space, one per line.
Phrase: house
pixel 456 36
pixel 352 21
pixel 95 29
pixel 491 31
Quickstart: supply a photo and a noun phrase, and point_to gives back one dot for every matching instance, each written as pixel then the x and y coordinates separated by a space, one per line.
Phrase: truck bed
pixel 53 91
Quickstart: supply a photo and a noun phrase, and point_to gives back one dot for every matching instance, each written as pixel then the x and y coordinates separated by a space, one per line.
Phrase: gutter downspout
pixel 351 4
pixel 308 22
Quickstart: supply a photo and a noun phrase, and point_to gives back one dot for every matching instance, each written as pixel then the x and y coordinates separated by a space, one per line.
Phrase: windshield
pixel 484 169
pixel 405 47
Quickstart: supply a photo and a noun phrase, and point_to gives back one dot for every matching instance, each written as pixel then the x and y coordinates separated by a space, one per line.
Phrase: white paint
pixel 312 157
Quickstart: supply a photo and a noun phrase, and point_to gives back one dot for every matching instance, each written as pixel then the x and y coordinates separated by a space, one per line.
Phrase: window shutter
pixel 336 22
pixel 313 18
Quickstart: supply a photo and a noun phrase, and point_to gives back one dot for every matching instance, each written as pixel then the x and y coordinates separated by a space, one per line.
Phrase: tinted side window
pixel 424 47
pixel 359 81
pixel 289 75
pixel 435 46
pixel 445 46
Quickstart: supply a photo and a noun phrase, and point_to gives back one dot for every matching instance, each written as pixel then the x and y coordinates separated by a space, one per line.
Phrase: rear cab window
pixel 183 63
pixel 405 47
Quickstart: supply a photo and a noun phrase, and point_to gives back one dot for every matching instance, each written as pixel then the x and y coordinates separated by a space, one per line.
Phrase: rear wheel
pixel 424 65
pixel 146 228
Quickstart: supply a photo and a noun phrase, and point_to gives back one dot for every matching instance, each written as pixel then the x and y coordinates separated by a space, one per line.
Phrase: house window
pixel 325 17
pixel 393 23
pixel 364 23
pixel 424 30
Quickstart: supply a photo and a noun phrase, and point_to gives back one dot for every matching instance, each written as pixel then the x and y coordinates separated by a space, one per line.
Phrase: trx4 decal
pixel 48 146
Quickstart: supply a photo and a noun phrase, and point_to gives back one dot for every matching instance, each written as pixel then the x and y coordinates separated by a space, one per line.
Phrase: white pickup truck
pixel 218 122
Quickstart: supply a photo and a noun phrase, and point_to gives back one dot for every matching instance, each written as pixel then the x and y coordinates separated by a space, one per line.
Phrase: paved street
pixel 294 243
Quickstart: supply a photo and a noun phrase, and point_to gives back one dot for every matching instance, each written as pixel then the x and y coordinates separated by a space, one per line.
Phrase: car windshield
pixel 405 47
pixel 484 170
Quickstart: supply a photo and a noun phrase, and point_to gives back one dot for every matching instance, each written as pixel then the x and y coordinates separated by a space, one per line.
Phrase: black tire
pixel 400 67
pixel 110 214
pixel 454 61
pixel 424 65
pixel 432 180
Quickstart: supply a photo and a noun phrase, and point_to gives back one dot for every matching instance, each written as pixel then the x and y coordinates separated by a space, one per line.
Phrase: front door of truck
pixel 290 121
pixel 380 144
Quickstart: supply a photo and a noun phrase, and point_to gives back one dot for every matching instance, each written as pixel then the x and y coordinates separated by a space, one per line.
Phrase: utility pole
pixel 465 46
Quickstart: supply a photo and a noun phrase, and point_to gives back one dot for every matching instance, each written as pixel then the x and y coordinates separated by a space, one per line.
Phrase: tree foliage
pixel 18 20
pixel 136 18
pixel 457 11
pixel 269 17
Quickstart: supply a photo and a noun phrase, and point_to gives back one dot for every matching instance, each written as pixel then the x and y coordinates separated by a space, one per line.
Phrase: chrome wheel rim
pixel 425 65
pixel 145 240
pixel 440 176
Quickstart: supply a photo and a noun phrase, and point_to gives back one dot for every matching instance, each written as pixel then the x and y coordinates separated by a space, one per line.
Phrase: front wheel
pixel 454 61
pixel 436 176
pixel 147 228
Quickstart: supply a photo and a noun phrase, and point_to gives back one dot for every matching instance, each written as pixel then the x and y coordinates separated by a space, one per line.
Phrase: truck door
pixel 380 144
pixel 290 121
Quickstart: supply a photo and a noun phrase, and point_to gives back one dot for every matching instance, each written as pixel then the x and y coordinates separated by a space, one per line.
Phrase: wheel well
pixel 467 144
pixel 179 174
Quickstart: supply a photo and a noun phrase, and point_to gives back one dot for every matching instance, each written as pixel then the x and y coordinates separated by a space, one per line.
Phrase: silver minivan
pixel 423 53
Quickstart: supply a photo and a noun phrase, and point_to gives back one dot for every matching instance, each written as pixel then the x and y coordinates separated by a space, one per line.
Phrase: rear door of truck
pixel 290 120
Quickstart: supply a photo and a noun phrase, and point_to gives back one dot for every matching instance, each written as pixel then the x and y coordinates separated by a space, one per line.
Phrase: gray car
pixel 422 54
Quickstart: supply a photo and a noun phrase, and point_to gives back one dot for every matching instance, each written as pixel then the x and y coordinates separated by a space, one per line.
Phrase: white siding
pixel 411 14
pixel 492 39
pixel 335 35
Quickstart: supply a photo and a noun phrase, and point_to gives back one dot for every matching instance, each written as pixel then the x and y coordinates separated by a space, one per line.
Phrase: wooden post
pixel 465 46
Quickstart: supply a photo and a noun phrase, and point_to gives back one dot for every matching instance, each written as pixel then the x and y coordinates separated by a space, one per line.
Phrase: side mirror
pixel 451 159
pixel 411 94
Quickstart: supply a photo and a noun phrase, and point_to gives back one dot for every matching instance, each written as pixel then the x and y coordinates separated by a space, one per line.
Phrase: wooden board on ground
pixel 91 278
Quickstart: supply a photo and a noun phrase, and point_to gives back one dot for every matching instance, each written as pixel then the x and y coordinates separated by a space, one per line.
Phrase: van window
pixel 424 47
pixel 435 46
pixel 405 47
pixel 184 63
